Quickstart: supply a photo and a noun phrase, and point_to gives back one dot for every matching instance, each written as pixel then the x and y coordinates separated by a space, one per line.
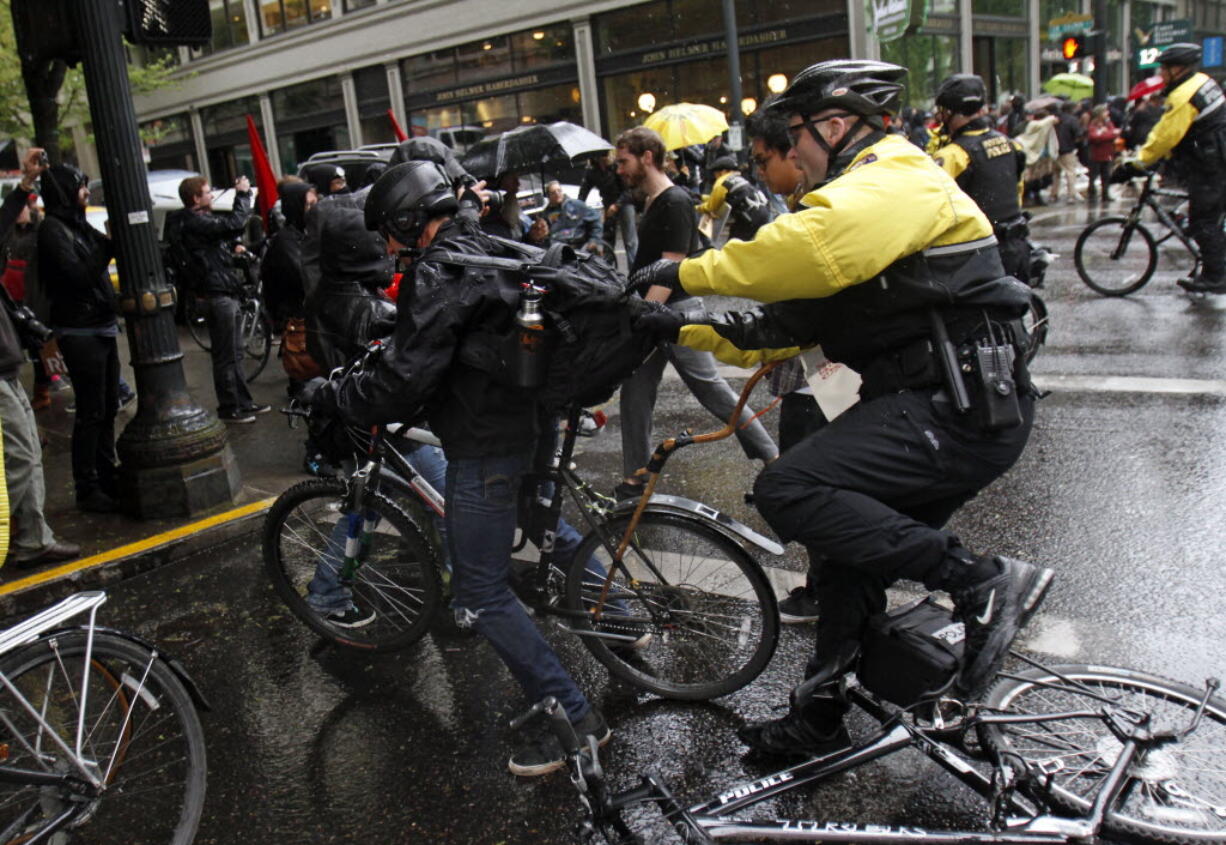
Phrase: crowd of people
pixel 866 487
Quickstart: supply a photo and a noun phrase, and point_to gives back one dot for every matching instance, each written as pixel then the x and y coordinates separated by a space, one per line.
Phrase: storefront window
pixel 225 136
pixel 545 46
pixel 930 58
pixel 1000 8
pixel 483 59
pixel 636 26
pixel 1002 64
pixel 662 21
pixel 370 86
pixel 461 125
pixel 169 141
pixel 284 15
pixel 310 118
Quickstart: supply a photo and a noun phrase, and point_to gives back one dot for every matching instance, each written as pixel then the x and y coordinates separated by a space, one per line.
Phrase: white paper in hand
pixel 836 387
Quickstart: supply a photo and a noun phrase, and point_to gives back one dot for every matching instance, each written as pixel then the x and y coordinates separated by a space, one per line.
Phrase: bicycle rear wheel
pixel 257 343
pixel 1115 258
pixel 197 327
pixel 1175 794
pixel 708 607
pixel 141 736
pixel 397 579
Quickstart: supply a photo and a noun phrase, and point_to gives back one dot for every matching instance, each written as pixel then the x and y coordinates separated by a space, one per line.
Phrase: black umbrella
pixel 533 148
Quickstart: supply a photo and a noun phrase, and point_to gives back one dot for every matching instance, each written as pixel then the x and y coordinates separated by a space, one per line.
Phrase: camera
pixel 30 330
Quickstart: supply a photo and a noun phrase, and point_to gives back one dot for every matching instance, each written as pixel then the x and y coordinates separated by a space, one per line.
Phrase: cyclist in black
pixel 1192 131
pixel 748 206
pixel 986 164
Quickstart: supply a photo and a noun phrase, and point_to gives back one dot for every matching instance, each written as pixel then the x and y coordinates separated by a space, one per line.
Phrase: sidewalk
pixel 114 546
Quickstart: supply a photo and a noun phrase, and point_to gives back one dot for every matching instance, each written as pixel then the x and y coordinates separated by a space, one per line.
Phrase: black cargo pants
pixel 870 492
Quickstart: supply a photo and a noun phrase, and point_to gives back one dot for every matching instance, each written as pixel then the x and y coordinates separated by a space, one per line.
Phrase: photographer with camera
pixel 31 541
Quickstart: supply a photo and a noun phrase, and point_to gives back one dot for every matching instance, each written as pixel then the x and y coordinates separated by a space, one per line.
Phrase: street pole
pixel 1101 31
pixel 735 137
pixel 174 454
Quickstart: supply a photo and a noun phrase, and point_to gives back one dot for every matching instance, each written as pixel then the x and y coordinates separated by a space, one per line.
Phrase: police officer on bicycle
pixel 986 164
pixel 884 292
pixel 1192 131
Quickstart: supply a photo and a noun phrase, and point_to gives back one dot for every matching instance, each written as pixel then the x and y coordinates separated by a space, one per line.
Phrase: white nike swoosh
pixel 986 616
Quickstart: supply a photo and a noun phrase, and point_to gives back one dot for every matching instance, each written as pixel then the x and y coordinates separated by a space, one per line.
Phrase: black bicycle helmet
pixel 406 198
pixel 861 86
pixel 321 176
pixel 1180 54
pixel 962 93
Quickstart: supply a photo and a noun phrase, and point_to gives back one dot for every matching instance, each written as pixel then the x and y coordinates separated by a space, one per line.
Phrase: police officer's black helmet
pixel 861 86
pixel 724 163
pixel 321 176
pixel 962 93
pixel 1180 54
pixel 406 198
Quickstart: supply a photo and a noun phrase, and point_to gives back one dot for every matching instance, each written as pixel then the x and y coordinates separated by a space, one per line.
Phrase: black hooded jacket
pixel 281 269
pixel 72 259
pixel 207 244
pixel 347 310
pixel 420 373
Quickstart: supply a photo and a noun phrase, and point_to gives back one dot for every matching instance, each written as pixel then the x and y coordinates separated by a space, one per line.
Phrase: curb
pixel 37 590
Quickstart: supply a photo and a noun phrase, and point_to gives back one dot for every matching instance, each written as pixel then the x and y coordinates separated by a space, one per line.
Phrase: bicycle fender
pixel 170 660
pixel 679 504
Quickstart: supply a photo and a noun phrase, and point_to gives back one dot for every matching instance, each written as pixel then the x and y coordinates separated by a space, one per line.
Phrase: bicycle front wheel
pixel 197 327
pixel 688 613
pixel 139 735
pixel 1175 793
pixel 395 589
pixel 1115 257
pixel 1037 323
pixel 257 343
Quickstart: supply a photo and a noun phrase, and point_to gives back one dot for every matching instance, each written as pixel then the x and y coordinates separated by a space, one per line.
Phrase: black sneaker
pixel 543 754
pixel 993 611
pixel 236 416
pixel 1199 284
pixel 257 409
pixel 354 617
pixel 800 606
pixel 627 490
pixel 793 736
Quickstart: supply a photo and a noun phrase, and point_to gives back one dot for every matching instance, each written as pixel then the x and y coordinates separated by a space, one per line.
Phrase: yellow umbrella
pixel 684 124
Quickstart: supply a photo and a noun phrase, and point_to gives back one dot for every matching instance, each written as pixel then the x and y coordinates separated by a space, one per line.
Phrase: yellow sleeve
pixel 1168 132
pixel 706 339
pixel 713 204
pixel 952 159
pixel 853 229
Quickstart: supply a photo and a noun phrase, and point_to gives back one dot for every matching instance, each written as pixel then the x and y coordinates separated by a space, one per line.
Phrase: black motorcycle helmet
pixel 724 163
pixel 406 198
pixel 321 176
pixel 1180 54
pixel 962 93
pixel 861 86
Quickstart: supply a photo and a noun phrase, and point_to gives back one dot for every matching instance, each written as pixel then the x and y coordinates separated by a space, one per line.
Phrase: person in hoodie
pixel 73 259
pixel 281 269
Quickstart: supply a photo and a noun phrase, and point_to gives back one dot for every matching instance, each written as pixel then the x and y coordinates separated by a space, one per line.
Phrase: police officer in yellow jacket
pixel 889 266
pixel 1192 131
pixel 986 164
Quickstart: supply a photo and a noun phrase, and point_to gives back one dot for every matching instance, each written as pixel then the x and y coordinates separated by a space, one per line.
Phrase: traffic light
pixel 1072 47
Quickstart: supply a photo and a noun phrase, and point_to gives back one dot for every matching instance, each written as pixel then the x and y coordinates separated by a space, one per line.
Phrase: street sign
pixel 1162 34
pixel 1069 24
pixel 890 19
pixel 1212 51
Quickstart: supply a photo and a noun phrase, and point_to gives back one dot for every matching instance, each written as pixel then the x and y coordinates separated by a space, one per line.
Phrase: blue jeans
pixel 481 520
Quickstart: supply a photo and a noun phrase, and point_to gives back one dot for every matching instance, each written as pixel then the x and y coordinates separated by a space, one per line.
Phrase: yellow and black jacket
pixel 1192 129
pixel 859 268
pixel 988 166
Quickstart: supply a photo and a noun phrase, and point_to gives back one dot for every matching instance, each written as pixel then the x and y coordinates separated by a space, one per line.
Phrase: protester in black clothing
pixel 207 244
pixel 618 206
pixel 1068 135
pixel 73 258
pixel 281 268
pixel 328 179
pixel 1015 120
pixel 1143 118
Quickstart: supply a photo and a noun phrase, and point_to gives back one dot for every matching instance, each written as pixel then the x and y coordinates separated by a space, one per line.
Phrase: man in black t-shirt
pixel 667 229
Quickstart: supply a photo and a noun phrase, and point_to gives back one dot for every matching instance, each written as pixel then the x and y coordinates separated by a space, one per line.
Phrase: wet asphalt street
pixel 1120 491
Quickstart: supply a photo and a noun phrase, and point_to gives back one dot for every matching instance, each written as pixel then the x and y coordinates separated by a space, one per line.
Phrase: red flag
pixel 400 136
pixel 265 180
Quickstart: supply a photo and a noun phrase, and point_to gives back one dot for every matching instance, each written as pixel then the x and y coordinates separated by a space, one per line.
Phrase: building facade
pixel 326 74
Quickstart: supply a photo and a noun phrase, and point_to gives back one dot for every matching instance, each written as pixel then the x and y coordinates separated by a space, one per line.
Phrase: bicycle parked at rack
pixel 100 741
pixel 1117 256
pixel 1074 752
pixel 254 324
pixel 662 565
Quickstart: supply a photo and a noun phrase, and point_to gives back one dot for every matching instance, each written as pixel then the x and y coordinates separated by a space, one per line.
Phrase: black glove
pixel 1127 170
pixel 470 199
pixel 663 272
pixel 659 321
pixel 319 397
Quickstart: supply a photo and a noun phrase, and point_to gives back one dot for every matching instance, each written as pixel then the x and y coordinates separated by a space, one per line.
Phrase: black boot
pixel 813 730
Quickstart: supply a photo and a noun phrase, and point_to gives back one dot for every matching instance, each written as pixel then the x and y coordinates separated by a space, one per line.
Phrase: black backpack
pixel 590 314
pixel 177 258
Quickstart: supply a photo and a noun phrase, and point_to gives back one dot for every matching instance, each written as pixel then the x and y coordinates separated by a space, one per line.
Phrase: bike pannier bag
pixel 911 652
pixel 297 361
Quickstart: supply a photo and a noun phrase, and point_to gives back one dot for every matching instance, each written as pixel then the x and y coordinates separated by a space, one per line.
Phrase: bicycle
pixel 100 740
pixel 1116 256
pixel 254 324
pixel 661 565
pixel 1074 751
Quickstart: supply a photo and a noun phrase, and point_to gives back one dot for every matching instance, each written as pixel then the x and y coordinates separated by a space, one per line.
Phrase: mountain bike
pixel 1117 256
pixel 254 324
pixel 1072 752
pixel 664 566
pixel 100 741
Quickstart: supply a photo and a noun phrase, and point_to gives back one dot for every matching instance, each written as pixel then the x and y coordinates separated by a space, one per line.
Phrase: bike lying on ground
pixel 662 590
pixel 1075 752
pixel 99 737
pixel 1117 256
